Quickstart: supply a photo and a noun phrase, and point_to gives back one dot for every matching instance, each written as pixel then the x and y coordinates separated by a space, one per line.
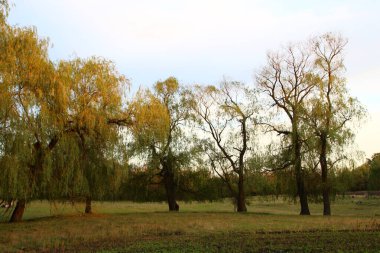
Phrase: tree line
pixel 201 184
pixel 68 131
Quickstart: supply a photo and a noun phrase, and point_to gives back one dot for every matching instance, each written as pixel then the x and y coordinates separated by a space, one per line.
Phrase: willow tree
pixel 4 10
pixel 331 108
pixel 158 130
pixel 41 103
pixel 86 169
pixel 287 81
pixel 31 124
pixel 227 115
pixel 94 101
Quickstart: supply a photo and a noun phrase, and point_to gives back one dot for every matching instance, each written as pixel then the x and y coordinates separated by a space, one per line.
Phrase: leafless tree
pixel 227 115
pixel 287 82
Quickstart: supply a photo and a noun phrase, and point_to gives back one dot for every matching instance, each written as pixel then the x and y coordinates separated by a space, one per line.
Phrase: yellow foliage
pixel 93 92
pixel 151 120
pixel 167 87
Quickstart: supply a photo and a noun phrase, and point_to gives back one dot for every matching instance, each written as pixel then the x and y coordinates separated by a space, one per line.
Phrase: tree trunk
pixel 302 194
pixel 88 209
pixel 324 169
pixel 36 170
pixel 18 212
pixel 170 188
pixel 240 201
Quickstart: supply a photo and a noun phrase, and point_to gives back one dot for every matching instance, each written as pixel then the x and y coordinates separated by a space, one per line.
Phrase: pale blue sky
pixel 203 40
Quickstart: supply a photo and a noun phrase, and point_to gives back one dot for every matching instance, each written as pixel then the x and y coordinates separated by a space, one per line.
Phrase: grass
pixel 269 226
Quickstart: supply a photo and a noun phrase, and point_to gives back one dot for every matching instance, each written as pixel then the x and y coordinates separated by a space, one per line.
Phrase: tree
pixel 286 80
pixel 374 173
pixel 94 96
pixel 40 104
pixel 158 131
pixel 4 10
pixel 227 114
pixel 332 108
pixel 30 116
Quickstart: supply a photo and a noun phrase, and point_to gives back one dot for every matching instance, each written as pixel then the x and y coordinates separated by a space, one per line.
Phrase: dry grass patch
pixel 125 226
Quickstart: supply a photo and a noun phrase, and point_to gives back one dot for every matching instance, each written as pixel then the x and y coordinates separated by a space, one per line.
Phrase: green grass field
pixel 269 226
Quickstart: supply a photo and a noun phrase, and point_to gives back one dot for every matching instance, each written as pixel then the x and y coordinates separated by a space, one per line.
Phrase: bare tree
pixel 227 115
pixel 287 81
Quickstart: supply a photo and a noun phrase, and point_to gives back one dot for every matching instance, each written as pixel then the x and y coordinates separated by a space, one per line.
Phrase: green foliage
pixel 56 139
pixel 331 108
pixel 159 136
pixel 201 185
pixel 374 173
pixel 66 178
pixel 352 179
pixel 228 116
pixel 93 89
pixel 193 185
pixel 60 135
pixel 151 120
pixel 14 156
pixel 27 122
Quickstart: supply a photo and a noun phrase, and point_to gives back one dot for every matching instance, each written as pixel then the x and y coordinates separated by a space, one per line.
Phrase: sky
pixel 203 41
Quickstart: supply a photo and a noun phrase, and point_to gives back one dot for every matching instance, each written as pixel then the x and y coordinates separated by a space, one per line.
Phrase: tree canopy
pixel 68 131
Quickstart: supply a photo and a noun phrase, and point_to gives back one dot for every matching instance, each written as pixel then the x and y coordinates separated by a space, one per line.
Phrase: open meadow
pixel 187 112
pixel 269 226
